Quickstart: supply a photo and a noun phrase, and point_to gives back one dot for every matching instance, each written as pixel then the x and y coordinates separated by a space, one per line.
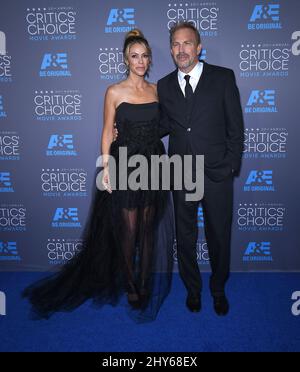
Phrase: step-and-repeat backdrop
pixel 56 60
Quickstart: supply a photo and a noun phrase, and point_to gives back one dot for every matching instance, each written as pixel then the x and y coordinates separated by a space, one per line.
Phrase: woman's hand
pixel 105 180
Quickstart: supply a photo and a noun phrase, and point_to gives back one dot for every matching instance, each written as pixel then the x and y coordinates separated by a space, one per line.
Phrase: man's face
pixel 185 50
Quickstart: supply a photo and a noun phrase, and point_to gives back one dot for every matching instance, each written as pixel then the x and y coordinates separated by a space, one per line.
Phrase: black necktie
pixel 188 90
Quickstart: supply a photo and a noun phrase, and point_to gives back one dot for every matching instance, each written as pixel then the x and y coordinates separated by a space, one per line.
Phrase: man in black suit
pixel 202 113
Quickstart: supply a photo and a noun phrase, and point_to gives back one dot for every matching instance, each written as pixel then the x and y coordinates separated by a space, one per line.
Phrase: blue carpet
pixel 260 319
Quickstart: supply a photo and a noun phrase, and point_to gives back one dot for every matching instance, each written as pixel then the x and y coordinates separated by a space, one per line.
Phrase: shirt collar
pixel 195 73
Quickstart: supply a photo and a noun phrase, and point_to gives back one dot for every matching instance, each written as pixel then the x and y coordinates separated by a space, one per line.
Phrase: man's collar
pixel 194 73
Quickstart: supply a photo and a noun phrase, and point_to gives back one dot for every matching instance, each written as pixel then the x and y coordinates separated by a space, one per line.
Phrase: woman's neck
pixel 137 82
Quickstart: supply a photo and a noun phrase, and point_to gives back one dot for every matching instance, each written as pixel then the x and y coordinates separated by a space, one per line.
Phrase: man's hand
pixel 115 132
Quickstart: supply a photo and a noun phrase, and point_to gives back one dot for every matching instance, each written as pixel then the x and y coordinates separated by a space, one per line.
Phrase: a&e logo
pixel 9 251
pixel 258 251
pixel 2 112
pixel 120 20
pixel 203 54
pixel 66 217
pixel 61 145
pixel 261 101
pixel 200 217
pixel 55 64
pixel 259 180
pixel 5 182
pixel 265 17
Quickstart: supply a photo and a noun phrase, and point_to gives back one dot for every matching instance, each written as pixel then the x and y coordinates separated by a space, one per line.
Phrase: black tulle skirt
pixel 127 247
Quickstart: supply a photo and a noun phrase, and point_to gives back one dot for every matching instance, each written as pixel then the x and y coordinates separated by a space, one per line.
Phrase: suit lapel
pixel 178 98
pixel 176 87
pixel 201 88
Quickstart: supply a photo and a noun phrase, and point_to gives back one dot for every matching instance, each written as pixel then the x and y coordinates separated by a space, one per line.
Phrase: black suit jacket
pixel 215 126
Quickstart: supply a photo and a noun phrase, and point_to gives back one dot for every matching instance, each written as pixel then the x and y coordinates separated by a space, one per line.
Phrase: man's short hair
pixel 184 24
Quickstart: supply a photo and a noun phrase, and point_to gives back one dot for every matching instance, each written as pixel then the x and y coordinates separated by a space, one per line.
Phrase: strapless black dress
pixel 128 238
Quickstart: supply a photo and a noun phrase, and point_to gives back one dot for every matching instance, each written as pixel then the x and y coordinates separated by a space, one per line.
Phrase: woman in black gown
pixel 128 238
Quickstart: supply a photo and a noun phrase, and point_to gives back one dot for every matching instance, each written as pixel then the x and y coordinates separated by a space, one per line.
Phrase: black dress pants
pixel 217 206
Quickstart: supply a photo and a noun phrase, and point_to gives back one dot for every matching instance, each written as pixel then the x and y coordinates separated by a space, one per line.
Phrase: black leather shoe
pixel 193 303
pixel 221 305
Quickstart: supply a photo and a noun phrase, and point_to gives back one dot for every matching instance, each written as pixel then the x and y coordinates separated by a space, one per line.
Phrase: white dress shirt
pixel 195 75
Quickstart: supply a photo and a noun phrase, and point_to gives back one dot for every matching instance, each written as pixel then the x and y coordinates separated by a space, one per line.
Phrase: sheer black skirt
pixel 127 249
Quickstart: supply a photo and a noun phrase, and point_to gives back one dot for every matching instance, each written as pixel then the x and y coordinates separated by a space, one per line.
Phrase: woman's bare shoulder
pixel 115 92
pixel 116 88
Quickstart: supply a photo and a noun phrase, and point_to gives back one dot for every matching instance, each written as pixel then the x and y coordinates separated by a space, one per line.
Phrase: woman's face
pixel 138 59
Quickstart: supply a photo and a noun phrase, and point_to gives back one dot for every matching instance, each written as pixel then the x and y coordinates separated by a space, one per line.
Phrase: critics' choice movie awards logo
pixel 258 252
pixel 61 145
pixel 51 23
pixel 201 250
pixel 261 101
pixel 111 64
pixel 60 251
pixel 9 251
pixel 269 143
pixel 266 217
pixel 120 20
pixel 259 180
pixel 2 111
pixel 204 16
pixel 265 17
pixel 66 218
pixel 64 182
pixel 55 65
pixel 57 105
pixel 5 61
pixel 9 145
pixel 6 182
pixel 264 60
pixel 12 217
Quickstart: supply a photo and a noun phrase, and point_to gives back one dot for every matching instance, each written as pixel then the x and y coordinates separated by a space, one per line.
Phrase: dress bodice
pixel 137 123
